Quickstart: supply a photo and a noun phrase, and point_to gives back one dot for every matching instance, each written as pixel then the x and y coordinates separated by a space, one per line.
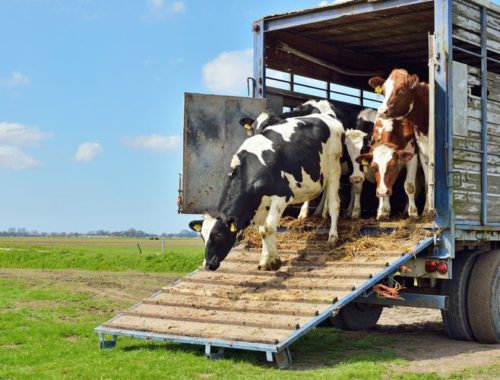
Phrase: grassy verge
pixel 178 259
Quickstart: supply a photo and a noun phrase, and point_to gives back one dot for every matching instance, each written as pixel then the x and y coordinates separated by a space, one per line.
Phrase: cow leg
pixel 384 208
pixel 304 211
pixel 411 176
pixel 333 199
pixel 424 161
pixel 270 259
pixel 357 188
pixel 321 208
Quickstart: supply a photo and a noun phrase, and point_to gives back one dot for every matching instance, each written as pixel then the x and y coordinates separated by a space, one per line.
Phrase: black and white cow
pixel 284 164
pixel 358 123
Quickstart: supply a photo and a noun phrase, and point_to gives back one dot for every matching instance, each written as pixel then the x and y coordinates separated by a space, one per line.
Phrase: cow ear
pixel 195 225
pixel 246 123
pixel 404 156
pixel 414 80
pixel 364 158
pixel 376 82
pixel 230 222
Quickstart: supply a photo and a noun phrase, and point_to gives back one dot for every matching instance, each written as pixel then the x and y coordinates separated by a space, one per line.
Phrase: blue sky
pixel 91 104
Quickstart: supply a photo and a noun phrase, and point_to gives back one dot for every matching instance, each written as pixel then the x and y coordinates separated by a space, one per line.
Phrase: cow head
pixel 354 141
pixel 399 92
pixel 219 234
pixel 384 161
pixel 257 126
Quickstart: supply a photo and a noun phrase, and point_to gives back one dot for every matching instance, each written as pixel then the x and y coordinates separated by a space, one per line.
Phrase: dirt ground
pixel 416 334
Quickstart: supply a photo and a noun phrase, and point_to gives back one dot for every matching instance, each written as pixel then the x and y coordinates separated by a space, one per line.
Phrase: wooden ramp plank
pixel 285 322
pixel 327 272
pixel 258 294
pixel 277 282
pixel 201 330
pixel 216 303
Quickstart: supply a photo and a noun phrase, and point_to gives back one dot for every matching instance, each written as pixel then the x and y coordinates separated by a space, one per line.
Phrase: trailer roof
pixel 343 3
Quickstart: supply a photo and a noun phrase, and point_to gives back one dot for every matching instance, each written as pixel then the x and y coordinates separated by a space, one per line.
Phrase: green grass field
pixel 47 321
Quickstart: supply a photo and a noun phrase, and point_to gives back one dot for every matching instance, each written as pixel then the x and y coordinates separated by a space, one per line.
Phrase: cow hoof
pixel 356 214
pixel 332 240
pixel 275 265
pixel 382 216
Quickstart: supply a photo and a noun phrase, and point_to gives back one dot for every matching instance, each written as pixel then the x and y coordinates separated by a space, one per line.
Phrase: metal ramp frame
pixel 277 350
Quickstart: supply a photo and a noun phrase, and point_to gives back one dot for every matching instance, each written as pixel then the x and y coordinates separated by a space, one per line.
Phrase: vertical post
pixel 484 117
pixel 163 247
pixel 432 122
pixel 443 28
pixel 259 64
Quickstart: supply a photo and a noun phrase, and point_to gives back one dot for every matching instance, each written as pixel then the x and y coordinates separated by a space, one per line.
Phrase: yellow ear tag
pixel 364 163
pixel 247 126
pixel 232 228
pixel 197 228
pixel 378 90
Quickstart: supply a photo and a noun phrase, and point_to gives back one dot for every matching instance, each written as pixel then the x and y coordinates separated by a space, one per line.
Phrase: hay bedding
pixel 311 234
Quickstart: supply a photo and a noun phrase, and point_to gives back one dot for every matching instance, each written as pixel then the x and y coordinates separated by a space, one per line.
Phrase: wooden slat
pixel 191 314
pixel 166 298
pixel 276 282
pixel 244 293
pixel 195 329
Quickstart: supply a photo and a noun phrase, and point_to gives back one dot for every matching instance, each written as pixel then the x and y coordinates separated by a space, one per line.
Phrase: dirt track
pixel 416 334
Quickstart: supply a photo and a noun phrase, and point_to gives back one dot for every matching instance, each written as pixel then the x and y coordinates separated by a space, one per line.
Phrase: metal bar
pixel 354 294
pixel 410 299
pixel 259 64
pixel 484 116
pixel 188 340
pixel 467 51
pixel 431 168
pixel 294 20
pixel 493 60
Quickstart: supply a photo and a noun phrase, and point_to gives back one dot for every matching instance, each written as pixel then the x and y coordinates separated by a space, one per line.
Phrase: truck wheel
pixel 356 316
pixel 455 318
pixel 484 298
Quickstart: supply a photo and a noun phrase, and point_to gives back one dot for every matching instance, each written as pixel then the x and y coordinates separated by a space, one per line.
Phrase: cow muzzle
pixel 383 193
pixel 356 179
pixel 212 266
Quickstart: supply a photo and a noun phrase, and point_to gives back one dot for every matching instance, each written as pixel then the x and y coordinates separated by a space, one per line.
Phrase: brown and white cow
pixel 406 97
pixel 393 147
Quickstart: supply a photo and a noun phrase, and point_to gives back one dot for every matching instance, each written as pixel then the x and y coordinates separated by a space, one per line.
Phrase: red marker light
pixel 256 27
pixel 430 266
pixel 442 267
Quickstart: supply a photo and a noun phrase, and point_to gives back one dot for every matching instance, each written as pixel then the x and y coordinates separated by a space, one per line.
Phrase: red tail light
pixel 442 267
pixel 431 266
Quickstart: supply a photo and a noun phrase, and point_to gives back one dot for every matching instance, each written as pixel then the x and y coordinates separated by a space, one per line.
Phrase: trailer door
pixel 212 134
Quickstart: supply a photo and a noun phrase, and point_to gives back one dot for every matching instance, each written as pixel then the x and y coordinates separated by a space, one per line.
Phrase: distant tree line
pixel 131 232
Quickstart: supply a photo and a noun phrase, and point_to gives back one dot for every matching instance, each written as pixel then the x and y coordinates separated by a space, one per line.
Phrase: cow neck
pixel 400 136
pixel 240 207
pixel 419 116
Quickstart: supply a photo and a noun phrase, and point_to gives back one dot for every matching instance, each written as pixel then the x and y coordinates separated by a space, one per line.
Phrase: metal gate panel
pixel 212 134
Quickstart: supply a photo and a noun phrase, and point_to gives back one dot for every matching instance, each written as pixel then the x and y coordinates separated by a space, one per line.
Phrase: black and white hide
pixel 284 164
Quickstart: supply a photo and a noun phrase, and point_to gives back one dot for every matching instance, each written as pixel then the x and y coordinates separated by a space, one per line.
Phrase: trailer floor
pixel 241 307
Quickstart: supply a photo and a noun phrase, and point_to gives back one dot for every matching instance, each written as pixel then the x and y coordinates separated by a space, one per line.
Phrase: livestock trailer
pixel 330 52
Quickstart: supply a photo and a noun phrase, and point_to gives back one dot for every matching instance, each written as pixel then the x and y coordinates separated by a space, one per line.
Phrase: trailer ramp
pixel 240 307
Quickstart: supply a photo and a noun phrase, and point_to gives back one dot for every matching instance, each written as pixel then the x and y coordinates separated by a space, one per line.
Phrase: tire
pixel 456 318
pixel 356 316
pixel 484 298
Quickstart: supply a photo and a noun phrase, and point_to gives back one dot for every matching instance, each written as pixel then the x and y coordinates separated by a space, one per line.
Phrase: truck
pixel 330 52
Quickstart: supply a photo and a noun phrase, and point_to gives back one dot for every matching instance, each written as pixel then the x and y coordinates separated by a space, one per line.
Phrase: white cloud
pixel 163 8
pixel 87 152
pixel 12 158
pixel 323 4
pixel 16 79
pixel 229 71
pixel 153 143
pixel 20 134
